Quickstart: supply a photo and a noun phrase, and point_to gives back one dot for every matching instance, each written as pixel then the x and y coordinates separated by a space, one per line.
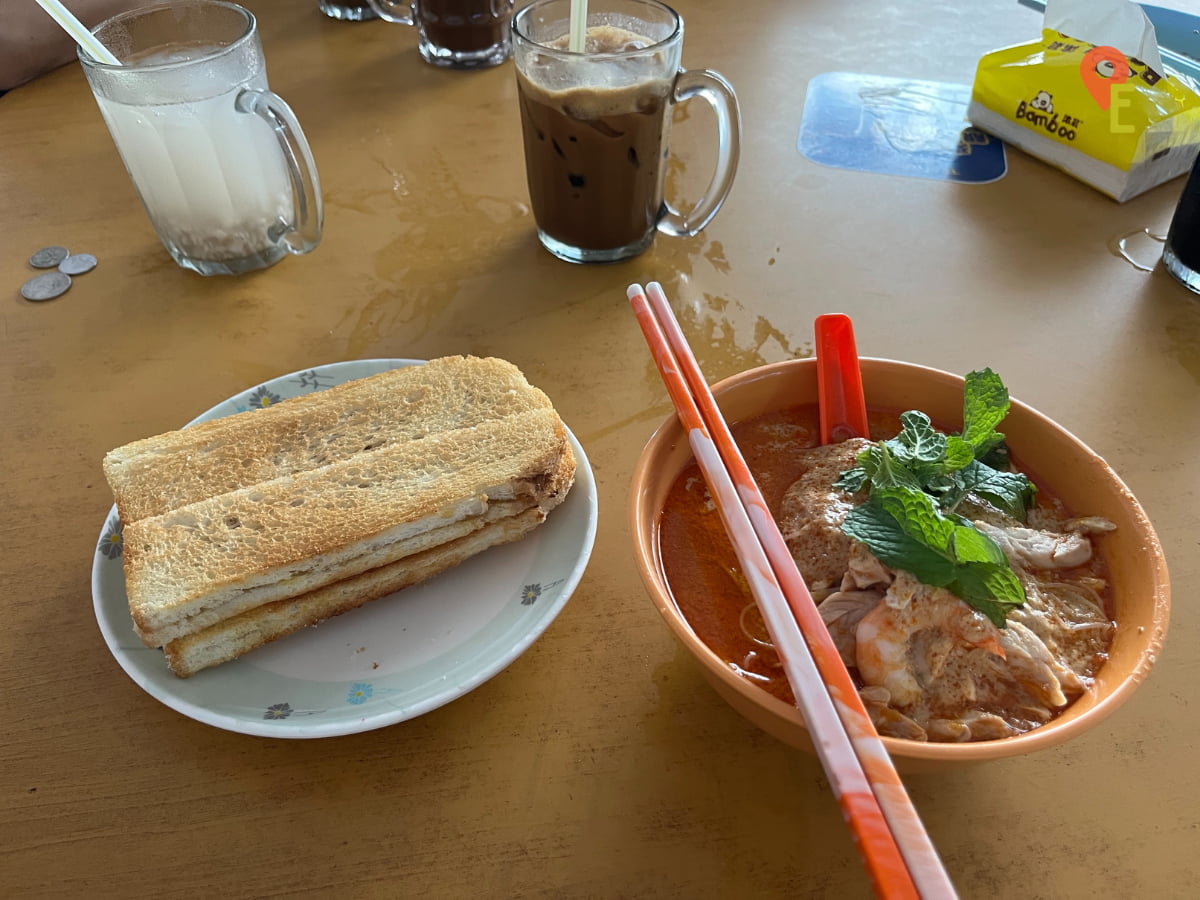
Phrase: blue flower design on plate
pixel 278 711
pixel 314 380
pixel 262 398
pixel 530 593
pixel 112 543
pixel 360 692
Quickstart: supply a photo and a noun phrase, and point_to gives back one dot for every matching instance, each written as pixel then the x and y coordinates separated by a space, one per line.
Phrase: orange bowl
pixel 1054 457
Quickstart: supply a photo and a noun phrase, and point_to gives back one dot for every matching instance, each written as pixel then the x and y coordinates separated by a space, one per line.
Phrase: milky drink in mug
pixel 200 135
pixel 212 183
pixel 596 125
pixel 594 153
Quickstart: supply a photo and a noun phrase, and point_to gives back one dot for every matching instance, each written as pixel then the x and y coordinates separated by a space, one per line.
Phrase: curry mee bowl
pixel 1135 588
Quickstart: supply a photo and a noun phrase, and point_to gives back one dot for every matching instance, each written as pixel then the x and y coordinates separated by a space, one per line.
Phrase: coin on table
pixel 46 286
pixel 48 257
pixel 77 264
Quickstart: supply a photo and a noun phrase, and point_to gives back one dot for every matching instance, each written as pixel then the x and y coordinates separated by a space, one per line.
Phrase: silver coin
pixel 77 264
pixel 48 257
pixel 46 286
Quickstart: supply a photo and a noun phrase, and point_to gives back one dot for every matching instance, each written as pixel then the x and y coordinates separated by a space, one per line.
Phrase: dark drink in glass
pixel 464 26
pixel 1181 255
pixel 593 158
pixel 596 126
pixel 459 34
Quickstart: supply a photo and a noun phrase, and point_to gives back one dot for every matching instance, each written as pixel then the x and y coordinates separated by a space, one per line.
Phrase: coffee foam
pixel 606 39
pixel 587 88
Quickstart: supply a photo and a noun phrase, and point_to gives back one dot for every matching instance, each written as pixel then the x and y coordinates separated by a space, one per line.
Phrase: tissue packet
pixel 1122 131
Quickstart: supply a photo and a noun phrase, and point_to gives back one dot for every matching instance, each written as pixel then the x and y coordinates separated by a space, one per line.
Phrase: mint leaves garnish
pixel 918 478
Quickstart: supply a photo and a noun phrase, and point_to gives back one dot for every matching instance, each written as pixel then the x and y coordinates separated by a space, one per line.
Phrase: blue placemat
pixel 897 126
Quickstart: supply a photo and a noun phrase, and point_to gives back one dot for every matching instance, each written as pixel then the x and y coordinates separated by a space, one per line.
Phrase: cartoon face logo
pixel 1043 101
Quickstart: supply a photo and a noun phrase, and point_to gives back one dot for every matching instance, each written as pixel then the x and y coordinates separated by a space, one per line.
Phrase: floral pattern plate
pixel 388 661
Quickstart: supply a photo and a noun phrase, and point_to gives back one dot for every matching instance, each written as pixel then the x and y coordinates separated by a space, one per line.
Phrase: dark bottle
pixel 1181 255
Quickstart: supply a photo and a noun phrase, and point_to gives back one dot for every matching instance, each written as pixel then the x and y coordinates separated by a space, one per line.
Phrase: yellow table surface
pixel 599 764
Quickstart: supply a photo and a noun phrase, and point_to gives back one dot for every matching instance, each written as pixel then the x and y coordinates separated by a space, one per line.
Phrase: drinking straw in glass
pixel 578 26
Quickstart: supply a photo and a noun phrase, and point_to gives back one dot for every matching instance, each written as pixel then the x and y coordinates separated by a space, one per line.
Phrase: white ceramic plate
pixel 388 661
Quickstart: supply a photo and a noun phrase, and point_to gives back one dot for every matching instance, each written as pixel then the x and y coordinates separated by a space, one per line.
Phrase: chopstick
pixel 897 852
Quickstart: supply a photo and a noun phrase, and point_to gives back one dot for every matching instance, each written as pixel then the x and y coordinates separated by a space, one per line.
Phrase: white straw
pixel 76 29
pixel 578 26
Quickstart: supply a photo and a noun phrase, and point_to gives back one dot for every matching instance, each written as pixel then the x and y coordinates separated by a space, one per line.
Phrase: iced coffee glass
pixel 596 125
pixel 458 34
pixel 219 161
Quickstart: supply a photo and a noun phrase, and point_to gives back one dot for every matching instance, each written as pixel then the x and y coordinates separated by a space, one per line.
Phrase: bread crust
pixel 205 613
pixel 236 636
pixel 154 475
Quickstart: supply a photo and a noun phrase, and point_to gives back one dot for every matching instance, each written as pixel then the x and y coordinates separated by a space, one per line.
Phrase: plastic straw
pixel 83 37
pixel 895 847
pixel 578 26
pixel 839 381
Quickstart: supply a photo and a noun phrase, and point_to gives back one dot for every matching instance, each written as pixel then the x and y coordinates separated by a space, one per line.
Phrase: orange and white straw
pixel 896 850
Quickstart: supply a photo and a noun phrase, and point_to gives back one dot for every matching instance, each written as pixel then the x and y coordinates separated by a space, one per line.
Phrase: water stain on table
pixel 1142 248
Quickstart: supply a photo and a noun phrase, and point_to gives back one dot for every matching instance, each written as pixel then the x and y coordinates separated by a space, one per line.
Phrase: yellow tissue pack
pixel 1107 119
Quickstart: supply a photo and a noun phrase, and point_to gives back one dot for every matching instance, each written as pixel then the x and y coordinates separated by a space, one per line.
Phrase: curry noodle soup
pixel 929 667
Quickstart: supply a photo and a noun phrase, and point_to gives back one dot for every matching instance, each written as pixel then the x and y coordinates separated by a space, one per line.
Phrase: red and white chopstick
pixel 896 850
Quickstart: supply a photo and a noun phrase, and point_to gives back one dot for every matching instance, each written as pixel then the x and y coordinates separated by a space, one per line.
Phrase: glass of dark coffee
pixel 459 34
pixel 350 10
pixel 1181 254
pixel 596 124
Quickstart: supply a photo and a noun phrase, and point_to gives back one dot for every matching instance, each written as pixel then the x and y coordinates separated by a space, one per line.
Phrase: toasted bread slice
pixel 155 475
pixel 200 617
pixel 239 635
pixel 218 557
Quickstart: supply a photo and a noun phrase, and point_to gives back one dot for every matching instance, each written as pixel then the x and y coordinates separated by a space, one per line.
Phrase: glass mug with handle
pixel 219 161
pixel 458 34
pixel 596 124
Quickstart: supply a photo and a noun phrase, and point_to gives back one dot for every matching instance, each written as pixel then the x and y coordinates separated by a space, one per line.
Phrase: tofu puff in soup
pixel 967 602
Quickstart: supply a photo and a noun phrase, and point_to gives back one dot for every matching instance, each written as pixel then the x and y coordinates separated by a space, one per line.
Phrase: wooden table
pixel 599 764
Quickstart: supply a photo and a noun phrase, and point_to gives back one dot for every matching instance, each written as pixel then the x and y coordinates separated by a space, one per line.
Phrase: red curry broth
pixel 699 562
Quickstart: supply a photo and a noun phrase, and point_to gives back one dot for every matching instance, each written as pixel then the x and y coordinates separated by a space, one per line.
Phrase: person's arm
pixel 32 43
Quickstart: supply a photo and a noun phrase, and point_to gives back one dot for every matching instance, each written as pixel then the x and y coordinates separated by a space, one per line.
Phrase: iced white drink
pixel 212 179
pixel 218 160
